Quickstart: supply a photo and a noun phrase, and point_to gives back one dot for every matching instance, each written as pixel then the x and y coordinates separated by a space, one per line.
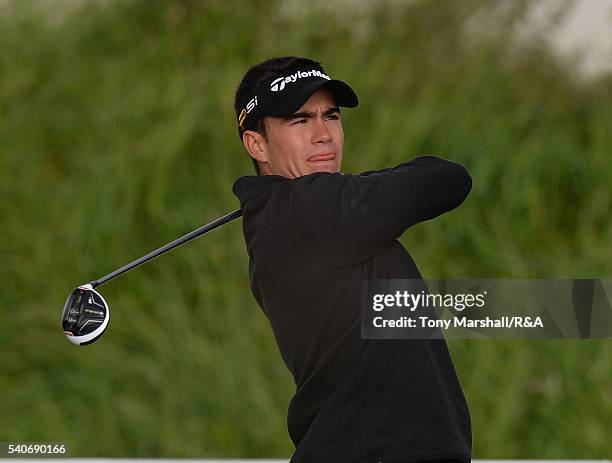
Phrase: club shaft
pixel 182 240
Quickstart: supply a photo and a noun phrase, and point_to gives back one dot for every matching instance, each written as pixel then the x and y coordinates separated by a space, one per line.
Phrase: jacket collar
pixel 249 187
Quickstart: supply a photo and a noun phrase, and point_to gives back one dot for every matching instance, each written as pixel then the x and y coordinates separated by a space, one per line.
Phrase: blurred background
pixel 117 135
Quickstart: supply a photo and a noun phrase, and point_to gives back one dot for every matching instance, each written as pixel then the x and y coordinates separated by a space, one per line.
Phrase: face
pixel 308 141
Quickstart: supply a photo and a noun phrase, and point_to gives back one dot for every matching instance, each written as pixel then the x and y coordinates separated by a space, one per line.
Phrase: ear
pixel 255 144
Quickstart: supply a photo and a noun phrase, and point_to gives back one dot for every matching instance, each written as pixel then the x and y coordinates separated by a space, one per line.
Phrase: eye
pixel 333 117
pixel 300 121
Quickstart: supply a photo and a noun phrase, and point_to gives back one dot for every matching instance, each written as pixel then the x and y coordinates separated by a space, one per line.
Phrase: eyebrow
pixel 310 115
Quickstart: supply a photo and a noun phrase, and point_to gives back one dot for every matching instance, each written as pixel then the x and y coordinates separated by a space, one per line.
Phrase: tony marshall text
pixel 462 322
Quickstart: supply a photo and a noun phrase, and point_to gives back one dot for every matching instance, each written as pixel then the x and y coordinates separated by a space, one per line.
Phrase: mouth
pixel 322 157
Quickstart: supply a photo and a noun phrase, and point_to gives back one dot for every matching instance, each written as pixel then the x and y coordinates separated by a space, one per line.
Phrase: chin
pixel 325 168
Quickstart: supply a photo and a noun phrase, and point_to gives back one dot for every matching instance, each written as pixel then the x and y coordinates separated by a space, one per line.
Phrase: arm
pixel 356 216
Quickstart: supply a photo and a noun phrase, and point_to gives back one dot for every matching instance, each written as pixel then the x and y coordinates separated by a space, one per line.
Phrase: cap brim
pixel 290 103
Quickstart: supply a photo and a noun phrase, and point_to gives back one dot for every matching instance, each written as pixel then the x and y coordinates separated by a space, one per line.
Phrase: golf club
pixel 86 313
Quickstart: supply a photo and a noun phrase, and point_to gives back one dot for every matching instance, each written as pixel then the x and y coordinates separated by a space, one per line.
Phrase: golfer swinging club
pixel 312 234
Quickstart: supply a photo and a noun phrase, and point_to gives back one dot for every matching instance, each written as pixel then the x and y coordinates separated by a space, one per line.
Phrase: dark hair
pixel 259 74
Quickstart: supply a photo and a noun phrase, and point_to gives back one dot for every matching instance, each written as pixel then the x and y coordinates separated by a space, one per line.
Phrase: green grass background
pixel 117 135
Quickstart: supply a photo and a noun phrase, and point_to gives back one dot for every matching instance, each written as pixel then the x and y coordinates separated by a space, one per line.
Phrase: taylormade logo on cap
pixel 278 85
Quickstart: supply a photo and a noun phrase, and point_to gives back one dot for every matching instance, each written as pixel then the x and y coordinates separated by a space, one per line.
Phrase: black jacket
pixel 310 241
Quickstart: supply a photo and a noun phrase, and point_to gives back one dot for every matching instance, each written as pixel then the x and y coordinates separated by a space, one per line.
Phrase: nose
pixel 321 133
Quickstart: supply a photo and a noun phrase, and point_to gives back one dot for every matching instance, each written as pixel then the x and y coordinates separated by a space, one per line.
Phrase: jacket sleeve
pixel 353 217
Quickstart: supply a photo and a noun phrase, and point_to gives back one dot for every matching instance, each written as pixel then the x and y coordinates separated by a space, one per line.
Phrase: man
pixel 312 234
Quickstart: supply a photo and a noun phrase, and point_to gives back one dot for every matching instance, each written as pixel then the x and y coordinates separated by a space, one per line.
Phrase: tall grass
pixel 117 135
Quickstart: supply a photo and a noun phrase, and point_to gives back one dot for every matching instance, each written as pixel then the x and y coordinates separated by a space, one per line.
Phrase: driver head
pixel 85 315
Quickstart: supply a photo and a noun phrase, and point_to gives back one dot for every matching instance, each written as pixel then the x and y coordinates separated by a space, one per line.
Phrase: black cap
pixel 285 93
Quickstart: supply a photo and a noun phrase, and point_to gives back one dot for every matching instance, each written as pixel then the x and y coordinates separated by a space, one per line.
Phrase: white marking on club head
pixel 78 340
